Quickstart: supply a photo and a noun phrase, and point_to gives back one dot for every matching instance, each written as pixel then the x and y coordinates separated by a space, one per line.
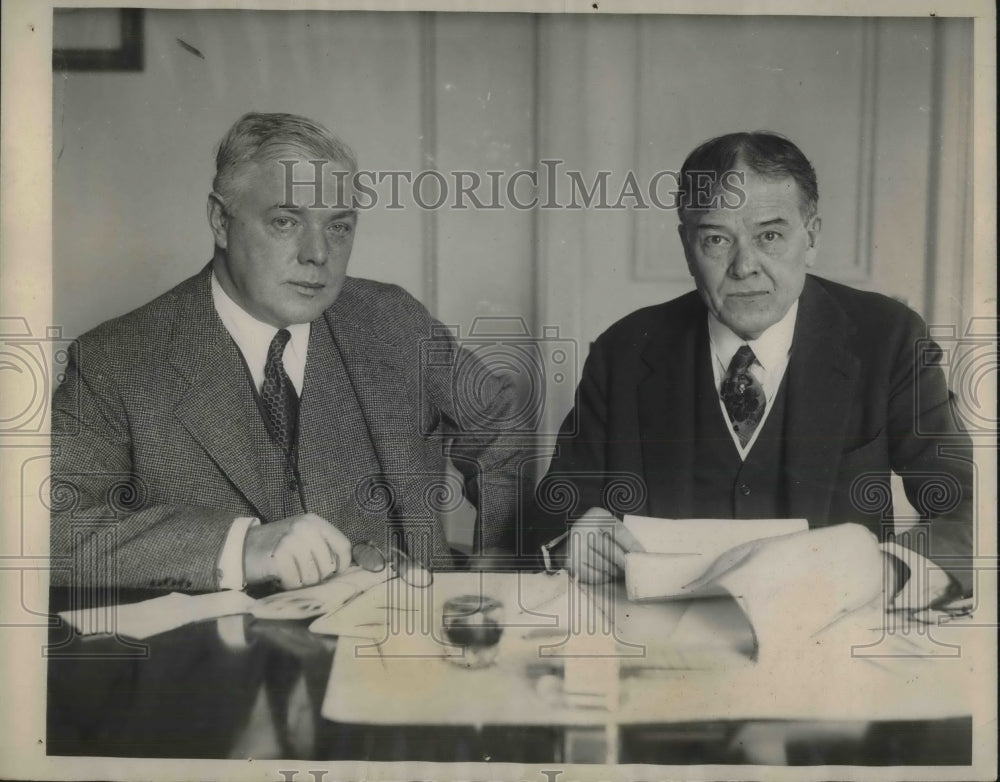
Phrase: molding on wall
pixel 428 156
pixel 560 251
pixel 948 229
pixel 861 269
pixel 636 248
pixel 646 266
pixel 537 107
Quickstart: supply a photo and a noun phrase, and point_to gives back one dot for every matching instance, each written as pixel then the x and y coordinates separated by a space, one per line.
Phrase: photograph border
pixel 28 62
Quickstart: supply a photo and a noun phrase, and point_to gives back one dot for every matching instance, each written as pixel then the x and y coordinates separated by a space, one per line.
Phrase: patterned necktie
pixel 281 404
pixel 743 395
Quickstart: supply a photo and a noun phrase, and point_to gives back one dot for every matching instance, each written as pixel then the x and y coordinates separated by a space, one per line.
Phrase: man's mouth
pixel 312 286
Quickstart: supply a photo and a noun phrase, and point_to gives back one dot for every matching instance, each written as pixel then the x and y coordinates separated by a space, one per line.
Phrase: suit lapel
pixel 218 408
pixel 666 408
pixel 337 467
pixel 388 471
pixel 822 373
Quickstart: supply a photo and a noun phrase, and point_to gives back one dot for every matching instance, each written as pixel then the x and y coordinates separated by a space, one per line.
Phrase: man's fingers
pixel 625 540
pixel 305 561
pixel 591 558
pixel 298 550
pixel 335 544
pixel 603 549
pixel 287 571
pixel 325 565
pixel 590 573
pixel 605 541
pixel 313 543
pixel 616 542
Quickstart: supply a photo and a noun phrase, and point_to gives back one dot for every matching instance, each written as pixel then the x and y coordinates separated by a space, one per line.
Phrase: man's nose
pixel 744 262
pixel 312 248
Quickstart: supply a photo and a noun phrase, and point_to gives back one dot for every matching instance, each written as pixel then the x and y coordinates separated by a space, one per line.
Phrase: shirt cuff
pixel 230 570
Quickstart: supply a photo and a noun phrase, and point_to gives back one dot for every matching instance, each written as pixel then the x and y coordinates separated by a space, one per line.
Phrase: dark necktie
pixel 281 404
pixel 742 395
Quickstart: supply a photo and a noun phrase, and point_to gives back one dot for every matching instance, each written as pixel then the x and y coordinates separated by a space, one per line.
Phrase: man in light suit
pixel 259 419
pixel 766 393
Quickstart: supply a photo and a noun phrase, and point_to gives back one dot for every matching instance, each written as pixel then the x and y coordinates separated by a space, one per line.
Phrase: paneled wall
pixel 881 106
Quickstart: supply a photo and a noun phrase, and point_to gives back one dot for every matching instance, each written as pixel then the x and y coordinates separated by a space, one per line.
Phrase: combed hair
pixel 260 137
pixel 764 152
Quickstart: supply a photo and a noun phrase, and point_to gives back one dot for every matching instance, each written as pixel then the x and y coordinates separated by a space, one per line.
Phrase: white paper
pixel 150 617
pixel 321 598
pixel 793 587
pixel 678 551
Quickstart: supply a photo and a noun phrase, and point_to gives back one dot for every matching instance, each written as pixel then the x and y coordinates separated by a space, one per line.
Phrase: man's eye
pixel 283 223
pixel 341 229
pixel 770 236
pixel 715 240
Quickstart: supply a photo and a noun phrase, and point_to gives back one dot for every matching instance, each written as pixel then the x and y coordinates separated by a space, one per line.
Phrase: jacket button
pixel 293 485
pixel 744 490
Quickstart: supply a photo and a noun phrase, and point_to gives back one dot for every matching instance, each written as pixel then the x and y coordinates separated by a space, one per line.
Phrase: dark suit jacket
pixel 860 402
pixel 156 435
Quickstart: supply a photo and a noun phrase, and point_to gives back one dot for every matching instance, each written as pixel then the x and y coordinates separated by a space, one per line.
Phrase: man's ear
pixel 813 226
pixel 218 220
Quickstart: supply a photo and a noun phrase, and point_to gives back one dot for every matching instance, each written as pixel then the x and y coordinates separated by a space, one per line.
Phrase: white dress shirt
pixel 771 350
pixel 253 338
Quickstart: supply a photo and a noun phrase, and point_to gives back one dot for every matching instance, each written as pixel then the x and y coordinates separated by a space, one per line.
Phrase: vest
pixel 726 487
pixel 278 472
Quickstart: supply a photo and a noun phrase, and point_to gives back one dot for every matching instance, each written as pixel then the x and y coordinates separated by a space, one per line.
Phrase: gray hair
pixel 259 137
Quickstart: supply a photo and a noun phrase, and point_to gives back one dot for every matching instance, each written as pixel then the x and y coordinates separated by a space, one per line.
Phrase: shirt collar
pixel 253 336
pixel 771 348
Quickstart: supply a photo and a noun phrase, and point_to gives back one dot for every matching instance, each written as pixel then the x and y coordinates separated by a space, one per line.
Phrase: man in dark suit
pixel 254 422
pixel 766 393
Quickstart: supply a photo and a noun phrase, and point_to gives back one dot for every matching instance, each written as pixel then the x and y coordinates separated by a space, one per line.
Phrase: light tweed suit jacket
pixel 156 433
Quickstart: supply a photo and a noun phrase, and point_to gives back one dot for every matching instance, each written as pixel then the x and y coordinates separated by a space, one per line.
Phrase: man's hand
pixel 298 551
pixel 598 543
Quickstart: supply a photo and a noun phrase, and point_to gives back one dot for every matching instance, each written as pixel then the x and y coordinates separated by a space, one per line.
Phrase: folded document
pixel 678 551
pixel 796 586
